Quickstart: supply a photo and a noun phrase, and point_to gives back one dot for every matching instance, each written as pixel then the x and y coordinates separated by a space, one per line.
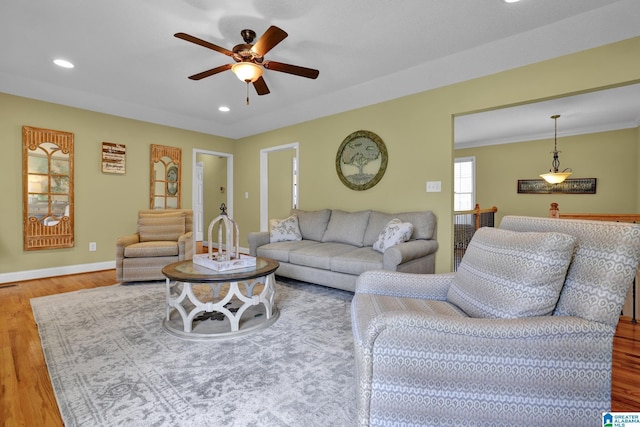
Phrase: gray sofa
pixel 337 246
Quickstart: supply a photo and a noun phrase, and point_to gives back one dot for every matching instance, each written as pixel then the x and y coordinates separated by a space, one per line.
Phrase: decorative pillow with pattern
pixel 509 274
pixel 284 230
pixel 395 232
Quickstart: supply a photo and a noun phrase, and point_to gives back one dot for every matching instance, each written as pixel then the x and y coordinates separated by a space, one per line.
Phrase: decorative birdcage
pixel 228 256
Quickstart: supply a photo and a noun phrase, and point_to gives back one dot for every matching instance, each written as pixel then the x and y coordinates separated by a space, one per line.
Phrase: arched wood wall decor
pixel 165 177
pixel 47 182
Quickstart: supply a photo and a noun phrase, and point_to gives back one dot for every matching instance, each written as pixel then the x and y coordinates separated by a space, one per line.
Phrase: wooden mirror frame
pixel 47 188
pixel 166 182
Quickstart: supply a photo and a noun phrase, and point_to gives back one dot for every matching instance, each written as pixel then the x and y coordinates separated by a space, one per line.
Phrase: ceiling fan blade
pixel 269 40
pixel 211 72
pixel 261 86
pixel 291 69
pixel 203 43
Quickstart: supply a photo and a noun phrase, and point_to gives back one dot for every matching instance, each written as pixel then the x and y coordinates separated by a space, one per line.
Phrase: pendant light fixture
pixel 554 176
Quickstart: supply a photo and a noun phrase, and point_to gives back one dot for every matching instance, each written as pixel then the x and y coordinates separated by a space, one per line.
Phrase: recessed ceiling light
pixel 224 109
pixel 63 63
pixel 511 1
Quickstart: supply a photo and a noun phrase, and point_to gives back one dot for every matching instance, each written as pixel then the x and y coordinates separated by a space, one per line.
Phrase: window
pixel 464 183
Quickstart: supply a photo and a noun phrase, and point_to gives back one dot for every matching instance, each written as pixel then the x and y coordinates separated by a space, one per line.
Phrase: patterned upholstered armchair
pixel 520 335
pixel 163 236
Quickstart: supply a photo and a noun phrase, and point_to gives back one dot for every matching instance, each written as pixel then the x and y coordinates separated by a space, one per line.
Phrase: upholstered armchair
pixel 520 335
pixel 163 236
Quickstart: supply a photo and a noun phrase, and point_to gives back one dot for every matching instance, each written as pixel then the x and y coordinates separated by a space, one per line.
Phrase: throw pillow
pixel 313 224
pixel 347 227
pixel 509 274
pixel 394 232
pixel 283 230
pixel 156 227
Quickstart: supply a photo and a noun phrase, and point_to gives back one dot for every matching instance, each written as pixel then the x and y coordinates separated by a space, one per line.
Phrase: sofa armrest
pixel 257 239
pixel 408 285
pixel 185 246
pixel 407 251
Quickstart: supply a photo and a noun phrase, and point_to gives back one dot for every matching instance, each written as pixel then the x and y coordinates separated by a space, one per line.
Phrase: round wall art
pixel 361 160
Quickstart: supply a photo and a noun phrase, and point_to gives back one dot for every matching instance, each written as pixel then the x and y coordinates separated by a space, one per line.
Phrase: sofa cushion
pixel 347 227
pixel 395 232
pixel 282 230
pixel 508 274
pixel 424 225
pixel 151 249
pixel 280 250
pixel 357 261
pixel 318 255
pixel 166 226
pixel 312 223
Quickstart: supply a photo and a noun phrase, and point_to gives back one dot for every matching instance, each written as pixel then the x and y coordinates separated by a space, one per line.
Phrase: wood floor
pixel 27 399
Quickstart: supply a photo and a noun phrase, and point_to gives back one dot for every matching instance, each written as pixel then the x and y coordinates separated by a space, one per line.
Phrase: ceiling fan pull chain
pixel 247 93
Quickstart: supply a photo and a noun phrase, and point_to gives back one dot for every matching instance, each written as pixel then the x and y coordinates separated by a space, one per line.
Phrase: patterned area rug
pixel 111 362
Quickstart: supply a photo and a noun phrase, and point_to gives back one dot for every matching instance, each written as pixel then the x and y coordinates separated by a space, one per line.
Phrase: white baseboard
pixel 19 276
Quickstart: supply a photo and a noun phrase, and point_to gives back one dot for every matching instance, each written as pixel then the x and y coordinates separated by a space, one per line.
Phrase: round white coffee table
pixel 207 304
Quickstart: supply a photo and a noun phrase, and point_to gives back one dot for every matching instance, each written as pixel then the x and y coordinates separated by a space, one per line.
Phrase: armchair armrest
pixel 407 251
pixel 563 363
pixel 408 285
pixel 124 241
pixel 185 246
pixel 257 239
pixel 121 243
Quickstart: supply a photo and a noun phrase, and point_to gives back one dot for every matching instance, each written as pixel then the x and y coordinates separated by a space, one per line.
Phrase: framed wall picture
pixel 114 158
pixel 361 160
pixel 568 186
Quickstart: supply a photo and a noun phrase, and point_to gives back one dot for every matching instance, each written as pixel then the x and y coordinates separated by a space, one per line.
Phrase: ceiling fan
pixel 250 59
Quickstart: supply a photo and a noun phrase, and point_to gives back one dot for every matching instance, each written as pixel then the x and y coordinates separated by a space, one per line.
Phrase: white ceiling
pixel 129 64
pixel 599 111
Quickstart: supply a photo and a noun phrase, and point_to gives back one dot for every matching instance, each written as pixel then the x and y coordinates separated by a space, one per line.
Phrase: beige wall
pixel 417 129
pixel 106 205
pixel 611 157
pixel 418 132
pixel 280 182
pixel 215 176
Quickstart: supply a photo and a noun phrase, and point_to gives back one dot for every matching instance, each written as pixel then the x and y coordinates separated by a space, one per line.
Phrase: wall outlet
pixel 434 186
pixel 92 246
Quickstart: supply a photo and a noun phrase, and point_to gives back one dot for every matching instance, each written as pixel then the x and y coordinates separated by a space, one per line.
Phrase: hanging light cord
pixel 555 163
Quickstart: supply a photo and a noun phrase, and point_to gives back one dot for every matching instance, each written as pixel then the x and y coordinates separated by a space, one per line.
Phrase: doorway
pixel 279 182
pixel 212 186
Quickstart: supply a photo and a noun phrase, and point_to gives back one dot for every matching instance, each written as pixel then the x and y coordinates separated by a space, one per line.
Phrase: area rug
pixel 111 362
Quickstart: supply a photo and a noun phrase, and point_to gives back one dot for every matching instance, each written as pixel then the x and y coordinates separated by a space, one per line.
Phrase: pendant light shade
pixel 554 176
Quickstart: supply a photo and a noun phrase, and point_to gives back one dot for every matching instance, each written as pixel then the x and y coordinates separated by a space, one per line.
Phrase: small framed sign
pixel 113 158
pixel 569 186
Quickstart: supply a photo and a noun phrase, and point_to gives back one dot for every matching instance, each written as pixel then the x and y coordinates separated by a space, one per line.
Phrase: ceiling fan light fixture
pixel 247 71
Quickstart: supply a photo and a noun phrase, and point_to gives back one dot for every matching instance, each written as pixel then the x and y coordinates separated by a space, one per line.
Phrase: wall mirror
pixel 47 182
pixel 165 177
